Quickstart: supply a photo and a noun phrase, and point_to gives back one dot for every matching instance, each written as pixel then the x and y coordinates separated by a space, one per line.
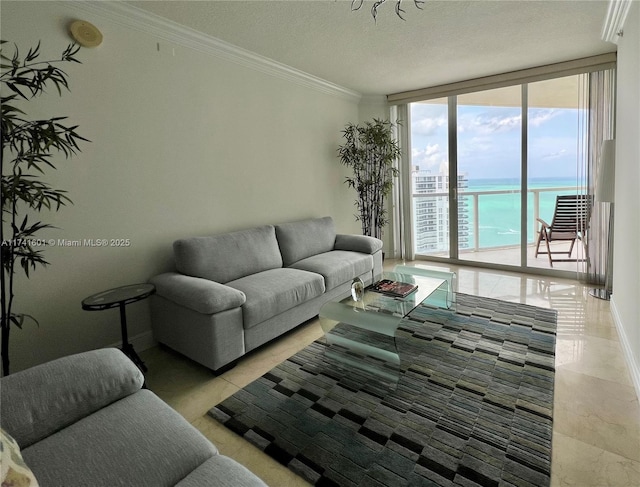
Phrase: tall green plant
pixel 28 149
pixel 371 151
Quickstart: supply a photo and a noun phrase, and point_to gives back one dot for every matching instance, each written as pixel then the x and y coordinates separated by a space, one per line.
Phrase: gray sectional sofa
pixel 235 291
pixel 84 420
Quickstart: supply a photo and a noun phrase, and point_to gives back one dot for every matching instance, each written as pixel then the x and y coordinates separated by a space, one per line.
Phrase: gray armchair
pixel 84 420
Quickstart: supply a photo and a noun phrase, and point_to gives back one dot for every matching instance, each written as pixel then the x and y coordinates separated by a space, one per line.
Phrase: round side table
pixel 120 297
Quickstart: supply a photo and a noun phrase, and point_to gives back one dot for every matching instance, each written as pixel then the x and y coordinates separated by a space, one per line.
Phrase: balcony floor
pixel 511 256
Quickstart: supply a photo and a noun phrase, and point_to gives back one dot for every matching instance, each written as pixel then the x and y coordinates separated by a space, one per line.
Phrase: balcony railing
pixel 476 196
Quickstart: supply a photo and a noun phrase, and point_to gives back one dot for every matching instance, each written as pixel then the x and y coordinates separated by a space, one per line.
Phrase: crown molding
pixel 614 21
pixel 151 24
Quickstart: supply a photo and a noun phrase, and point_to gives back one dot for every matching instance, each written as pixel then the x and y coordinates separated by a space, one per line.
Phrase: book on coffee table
pixel 393 288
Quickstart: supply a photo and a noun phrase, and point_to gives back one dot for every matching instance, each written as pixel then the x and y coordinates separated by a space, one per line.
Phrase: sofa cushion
pixel 138 440
pixel 221 471
pixel 337 266
pixel 299 240
pixel 272 292
pixel 41 400
pixel 228 256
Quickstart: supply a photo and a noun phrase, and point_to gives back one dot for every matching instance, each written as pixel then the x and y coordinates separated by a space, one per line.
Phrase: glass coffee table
pixel 361 334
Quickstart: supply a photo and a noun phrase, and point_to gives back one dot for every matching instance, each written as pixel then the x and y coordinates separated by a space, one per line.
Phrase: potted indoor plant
pixel 371 151
pixel 28 150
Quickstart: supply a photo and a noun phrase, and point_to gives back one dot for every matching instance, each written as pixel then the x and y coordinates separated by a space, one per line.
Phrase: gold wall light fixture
pixel 85 33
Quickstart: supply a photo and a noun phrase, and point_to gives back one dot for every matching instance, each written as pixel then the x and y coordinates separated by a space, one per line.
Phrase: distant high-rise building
pixel 431 213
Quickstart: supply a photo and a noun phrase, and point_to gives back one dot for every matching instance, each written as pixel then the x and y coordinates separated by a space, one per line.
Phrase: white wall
pixel 182 144
pixel 625 303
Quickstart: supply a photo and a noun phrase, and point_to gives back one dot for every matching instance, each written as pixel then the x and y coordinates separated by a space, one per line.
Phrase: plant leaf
pixel 18 319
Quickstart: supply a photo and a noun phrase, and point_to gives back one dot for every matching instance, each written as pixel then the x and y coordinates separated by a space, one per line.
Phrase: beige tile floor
pixel 596 435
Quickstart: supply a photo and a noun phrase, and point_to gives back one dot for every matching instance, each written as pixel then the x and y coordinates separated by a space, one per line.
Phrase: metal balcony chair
pixel 569 224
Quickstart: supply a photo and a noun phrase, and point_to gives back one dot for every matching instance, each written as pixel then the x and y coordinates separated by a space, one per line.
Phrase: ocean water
pixel 499 215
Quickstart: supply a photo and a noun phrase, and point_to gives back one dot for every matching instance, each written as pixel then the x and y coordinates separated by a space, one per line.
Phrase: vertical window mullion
pixel 453 176
pixel 524 180
pixel 406 189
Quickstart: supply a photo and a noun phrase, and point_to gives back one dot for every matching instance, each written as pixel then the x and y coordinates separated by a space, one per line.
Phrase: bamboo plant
pixel 371 151
pixel 28 150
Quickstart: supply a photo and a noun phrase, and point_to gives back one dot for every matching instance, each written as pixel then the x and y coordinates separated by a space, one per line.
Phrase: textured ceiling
pixel 447 41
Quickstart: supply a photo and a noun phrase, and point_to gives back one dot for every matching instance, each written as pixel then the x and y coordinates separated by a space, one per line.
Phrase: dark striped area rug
pixel 473 405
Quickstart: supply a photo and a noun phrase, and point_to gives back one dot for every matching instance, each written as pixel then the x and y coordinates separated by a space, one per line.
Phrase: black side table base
pixel 120 297
pixel 129 351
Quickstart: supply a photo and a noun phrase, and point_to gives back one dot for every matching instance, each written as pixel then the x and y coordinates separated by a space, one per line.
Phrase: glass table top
pixel 117 296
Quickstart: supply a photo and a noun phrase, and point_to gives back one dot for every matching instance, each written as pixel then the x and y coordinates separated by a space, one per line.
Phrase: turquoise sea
pixel 499 214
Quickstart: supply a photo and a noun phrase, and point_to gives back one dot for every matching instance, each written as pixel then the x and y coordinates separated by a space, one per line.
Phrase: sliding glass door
pixel 430 177
pixel 489 128
pixel 555 131
pixel 482 174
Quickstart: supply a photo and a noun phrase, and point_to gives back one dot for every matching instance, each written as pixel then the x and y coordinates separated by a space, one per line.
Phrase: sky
pixel 489 140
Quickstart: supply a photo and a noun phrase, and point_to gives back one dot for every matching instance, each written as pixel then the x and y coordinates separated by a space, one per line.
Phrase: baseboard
pixel 140 342
pixel 634 367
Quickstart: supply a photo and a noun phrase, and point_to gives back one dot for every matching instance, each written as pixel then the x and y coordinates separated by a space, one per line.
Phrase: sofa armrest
pixel 358 243
pixel 201 295
pixel 44 399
